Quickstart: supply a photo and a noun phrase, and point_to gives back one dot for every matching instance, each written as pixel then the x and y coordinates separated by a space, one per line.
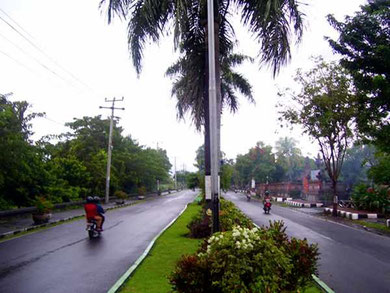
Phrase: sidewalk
pixel 16 224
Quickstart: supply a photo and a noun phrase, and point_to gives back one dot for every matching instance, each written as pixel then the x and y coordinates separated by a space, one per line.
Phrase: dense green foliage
pixel 324 107
pixel 73 166
pixel 22 173
pixel 380 172
pixel 364 43
pixel 264 165
pixel 357 162
pixel 229 216
pixel 375 199
pixel 247 260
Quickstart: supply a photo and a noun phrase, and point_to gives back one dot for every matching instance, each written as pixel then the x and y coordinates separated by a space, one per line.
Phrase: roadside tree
pixel 22 173
pixel 325 109
pixel 357 162
pixel 289 157
pixel 364 44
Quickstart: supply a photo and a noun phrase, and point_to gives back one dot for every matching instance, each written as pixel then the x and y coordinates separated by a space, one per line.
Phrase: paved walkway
pixel 13 223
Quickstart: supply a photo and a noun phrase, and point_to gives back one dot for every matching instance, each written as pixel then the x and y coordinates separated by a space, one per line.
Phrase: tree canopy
pixel 364 44
pixel 270 22
pixel 325 109
pixel 73 166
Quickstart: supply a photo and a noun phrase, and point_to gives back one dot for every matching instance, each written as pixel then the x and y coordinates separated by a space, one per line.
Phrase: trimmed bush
pixel 43 205
pixel 247 260
pixel 200 226
pixel 141 190
pixel 120 194
pixel 229 216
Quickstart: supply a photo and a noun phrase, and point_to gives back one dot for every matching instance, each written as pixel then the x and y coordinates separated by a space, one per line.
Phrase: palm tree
pixel 190 85
pixel 268 20
pixel 289 155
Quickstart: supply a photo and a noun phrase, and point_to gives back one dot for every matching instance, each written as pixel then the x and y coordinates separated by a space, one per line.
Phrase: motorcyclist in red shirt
pixel 267 201
pixel 91 212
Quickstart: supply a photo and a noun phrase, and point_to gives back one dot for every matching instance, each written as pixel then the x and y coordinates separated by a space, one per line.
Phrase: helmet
pixel 89 199
pixel 266 192
pixel 96 199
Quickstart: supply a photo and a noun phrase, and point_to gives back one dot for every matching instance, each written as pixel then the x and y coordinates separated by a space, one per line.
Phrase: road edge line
pixel 128 273
pixel 322 284
pixel 34 228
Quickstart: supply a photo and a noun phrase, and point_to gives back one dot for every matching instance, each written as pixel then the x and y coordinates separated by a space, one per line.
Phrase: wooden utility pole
pixel 107 196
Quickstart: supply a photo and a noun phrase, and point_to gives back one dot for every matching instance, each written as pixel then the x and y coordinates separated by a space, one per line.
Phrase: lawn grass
pixel 312 288
pixel 377 226
pixel 151 275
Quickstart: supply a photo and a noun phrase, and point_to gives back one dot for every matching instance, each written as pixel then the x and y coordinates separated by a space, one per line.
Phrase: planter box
pixel 41 218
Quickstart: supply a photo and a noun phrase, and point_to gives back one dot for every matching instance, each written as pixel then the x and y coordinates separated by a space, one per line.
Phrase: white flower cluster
pixel 215 239
pixel 245 237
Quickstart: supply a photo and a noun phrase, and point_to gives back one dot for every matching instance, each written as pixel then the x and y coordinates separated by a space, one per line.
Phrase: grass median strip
pixel 151 275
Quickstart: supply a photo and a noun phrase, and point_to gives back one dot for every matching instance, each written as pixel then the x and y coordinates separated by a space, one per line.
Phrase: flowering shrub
pixel 247 260
pixel 43 205
pixel 371 199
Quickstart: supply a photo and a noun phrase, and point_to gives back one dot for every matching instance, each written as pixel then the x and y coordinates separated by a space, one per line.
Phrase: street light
pixel 213 112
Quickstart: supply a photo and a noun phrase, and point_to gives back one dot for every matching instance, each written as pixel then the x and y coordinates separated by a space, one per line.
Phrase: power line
pixel 16 23
pixel 36 60
pixel 38 48
pixel 19 63
pixel 47 118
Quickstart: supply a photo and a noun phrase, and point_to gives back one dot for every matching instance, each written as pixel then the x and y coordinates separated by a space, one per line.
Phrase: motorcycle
pixel 93 232
pixel 248 197
pixel 267 207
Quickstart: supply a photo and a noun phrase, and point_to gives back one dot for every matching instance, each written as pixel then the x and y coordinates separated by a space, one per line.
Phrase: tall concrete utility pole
pixel 213 112
pixel 108 173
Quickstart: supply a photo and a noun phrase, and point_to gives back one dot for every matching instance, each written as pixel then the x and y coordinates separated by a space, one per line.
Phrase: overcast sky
pixel 81 60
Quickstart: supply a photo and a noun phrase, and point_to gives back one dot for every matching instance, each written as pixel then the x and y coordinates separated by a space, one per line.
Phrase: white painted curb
pixel 127 274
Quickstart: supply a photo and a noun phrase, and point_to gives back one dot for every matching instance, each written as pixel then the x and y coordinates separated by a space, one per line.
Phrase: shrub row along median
pixel 239 259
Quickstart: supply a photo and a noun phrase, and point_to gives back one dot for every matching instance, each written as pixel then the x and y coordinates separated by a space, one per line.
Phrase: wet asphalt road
pixel 352 260
pixel 63 259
